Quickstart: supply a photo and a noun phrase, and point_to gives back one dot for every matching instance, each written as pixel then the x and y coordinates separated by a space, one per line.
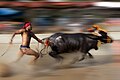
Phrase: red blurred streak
pixel 41 4
pixel 17 4
pixel 35 4
pixel 2 26
pixel 3 3
pixel 60 3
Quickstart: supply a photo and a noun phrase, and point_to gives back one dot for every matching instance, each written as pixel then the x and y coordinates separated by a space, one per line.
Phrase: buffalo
pixel 61 43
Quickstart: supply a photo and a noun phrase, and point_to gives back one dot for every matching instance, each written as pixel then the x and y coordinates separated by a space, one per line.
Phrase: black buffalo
pixel 70 42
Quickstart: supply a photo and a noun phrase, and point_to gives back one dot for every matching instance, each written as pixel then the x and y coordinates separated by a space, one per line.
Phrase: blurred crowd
pixel 56 18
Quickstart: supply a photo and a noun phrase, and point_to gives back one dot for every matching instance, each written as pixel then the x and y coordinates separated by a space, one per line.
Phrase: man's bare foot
pixel 32 63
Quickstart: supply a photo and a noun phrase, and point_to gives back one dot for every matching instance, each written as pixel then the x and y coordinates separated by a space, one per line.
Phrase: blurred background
pixel 50 16
pixel 58 15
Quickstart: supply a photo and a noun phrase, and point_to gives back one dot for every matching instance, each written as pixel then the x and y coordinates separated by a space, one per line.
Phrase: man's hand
pixel 10 42
pixel 40 41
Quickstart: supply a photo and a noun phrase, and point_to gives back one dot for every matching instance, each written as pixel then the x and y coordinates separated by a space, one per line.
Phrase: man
pixel 26 34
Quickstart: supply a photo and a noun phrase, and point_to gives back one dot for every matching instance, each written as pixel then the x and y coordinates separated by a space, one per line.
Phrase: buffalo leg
pixel 83 57
pixel 55 55
pixel 90 55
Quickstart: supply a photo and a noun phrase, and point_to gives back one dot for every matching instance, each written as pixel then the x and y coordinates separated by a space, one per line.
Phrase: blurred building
pixel 59 0
pixel 61 14
pixel 47 10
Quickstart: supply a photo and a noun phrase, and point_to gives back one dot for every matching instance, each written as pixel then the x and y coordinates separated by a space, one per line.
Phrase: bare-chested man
pixel 26 34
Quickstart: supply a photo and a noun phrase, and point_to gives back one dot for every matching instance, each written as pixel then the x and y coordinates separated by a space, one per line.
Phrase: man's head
pixel 27 26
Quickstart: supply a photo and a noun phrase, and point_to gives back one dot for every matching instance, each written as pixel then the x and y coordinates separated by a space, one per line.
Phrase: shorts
pixel 21 46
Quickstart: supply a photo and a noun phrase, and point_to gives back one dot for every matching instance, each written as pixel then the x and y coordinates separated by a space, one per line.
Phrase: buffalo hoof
pixel 82 59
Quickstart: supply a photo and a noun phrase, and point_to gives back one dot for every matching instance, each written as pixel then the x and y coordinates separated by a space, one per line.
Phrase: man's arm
pixel 16 32
pixel 35 37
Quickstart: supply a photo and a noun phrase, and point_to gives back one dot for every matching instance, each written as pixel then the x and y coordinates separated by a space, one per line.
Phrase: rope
pixel 43 49
pixel 6 50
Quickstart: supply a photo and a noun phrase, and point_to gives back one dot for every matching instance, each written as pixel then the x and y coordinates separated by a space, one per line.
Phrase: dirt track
pixel 104 66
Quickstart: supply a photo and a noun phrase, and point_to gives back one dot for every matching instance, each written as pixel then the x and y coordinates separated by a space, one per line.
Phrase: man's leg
pixel 33 53
pixel 20 55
